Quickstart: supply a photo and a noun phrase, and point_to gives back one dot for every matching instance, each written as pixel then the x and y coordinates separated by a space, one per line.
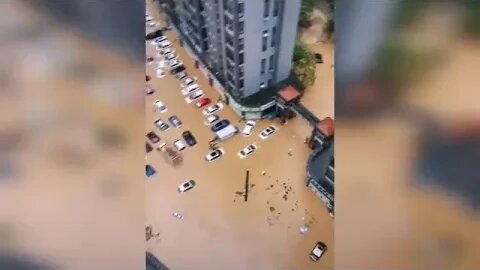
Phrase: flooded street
pixel 220 230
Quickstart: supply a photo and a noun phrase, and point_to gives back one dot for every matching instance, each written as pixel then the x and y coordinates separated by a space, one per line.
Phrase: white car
pixel 249 125
pixel 179 145
pixel 211 156
pixel 211 119
pixel 247 151
pixel 170 56
pixel 186 82
pixel 213 109
pixel 167 51
pixel 317 252
pixel 174 63
pixel 163 45
pixel 151 23
pixel 182 75
pixel 186 186
pixel 267 132
pixel 160 106
pixel 161 124
pixel 194 96
pixel 161 39
pixel 160 73
pixel 189 89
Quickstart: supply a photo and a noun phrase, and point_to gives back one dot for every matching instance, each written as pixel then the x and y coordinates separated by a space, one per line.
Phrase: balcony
pixel 229 31
pixel 229 14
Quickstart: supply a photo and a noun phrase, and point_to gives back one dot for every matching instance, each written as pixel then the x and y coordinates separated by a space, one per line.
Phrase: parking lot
pixel 219 229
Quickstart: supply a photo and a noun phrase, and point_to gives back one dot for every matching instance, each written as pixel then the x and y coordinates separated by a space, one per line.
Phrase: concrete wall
pixel 290 14
pixel 286 31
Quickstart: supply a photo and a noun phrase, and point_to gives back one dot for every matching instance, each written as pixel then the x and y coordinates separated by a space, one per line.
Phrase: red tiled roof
pixel 289 93
pixel 326 126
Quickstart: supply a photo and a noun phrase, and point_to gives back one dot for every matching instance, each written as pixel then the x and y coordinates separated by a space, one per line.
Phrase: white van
pixel 189 89
pixel 226 132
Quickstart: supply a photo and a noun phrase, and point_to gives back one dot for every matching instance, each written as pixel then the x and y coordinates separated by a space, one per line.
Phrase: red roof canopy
pixel 289 93
pixel 326 126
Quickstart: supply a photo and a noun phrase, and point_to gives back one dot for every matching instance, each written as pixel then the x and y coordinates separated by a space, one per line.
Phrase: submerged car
pixel 318 250
pixel 213 109
pixel 267 132
pixel 220 125
pixel 189 139
pixel 187 186
pixel 161 124
pixel 153 137
pixel 160 106
pixel 211 119
pixel 247 151
pixel 148 148
pixel 175 121
pixel 215 154
pixel 194 96
pixel 203 102
pixel 179 145
pixel 149 170
pixel 249 125
pixel 176 69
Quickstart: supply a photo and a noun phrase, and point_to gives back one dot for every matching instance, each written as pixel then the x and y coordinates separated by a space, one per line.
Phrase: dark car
pixel 175 121
pixel 149 170
pixel 220 125
pixel 318 58
pixel 178 69
pixel 153 137
pixel 154 35
pixel 189 139
pixel 148 147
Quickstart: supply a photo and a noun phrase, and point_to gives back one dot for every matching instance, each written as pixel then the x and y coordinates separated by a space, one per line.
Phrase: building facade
pixel 245 45
pixel 321 175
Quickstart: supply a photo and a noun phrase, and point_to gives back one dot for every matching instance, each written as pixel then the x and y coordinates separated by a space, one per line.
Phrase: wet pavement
pixel 219 230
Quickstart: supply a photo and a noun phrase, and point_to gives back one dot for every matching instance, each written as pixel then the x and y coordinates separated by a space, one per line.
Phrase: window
pixel 270 62
pixel 276 6
pixel 269 82
pixel 274 32
pixel 262 66
pixel 266 8
pixel 241 83
pixel 240 9
pixel 264 43
pixel 241 26
pixel 240 58
pixel 241 44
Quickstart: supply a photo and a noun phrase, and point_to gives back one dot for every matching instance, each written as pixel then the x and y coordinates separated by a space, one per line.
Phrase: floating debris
pixel 285 197
pixel 268 202
pixel 304 229
pixel 264 172
pixel 271 186
pixel 178 215
pixel 272 208
pixel 293 210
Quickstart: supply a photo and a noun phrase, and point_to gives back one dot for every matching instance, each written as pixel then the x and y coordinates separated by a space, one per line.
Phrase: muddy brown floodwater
pixel 219 229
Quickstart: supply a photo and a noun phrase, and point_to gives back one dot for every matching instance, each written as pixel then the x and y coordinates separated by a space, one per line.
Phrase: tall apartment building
pixel 247 45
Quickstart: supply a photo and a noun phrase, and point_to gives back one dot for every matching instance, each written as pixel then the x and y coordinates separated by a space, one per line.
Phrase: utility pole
pixel 246 184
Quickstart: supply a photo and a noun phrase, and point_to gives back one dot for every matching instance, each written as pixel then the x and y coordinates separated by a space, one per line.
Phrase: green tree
pixel 471 23
pixel 306 10
pixel 304 63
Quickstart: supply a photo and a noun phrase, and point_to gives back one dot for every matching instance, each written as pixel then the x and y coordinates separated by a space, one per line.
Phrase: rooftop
pixel 289 93
pixel 326 126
